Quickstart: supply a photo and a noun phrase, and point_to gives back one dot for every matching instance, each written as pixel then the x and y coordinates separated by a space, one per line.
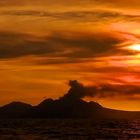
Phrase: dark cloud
pixel 73 45
pixel 79 91
pixel 118 90
pixel 17 45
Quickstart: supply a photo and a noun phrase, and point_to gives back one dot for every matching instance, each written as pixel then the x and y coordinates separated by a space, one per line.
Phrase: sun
pixel 135 47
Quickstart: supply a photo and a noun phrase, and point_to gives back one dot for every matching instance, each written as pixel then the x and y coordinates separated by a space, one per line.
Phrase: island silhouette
pixel 70 105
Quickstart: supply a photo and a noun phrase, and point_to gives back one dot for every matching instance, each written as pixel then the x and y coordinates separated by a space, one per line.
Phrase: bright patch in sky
pixel 135 47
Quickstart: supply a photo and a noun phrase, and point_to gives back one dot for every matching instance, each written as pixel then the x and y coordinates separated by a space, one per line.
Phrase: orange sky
pixel 45 44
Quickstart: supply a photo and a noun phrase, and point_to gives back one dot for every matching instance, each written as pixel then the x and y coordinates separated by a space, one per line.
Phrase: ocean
pixel 68 129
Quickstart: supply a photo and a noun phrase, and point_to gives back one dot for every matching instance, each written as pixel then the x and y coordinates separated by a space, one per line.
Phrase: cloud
pixel 69 45
pixel 79 91
pixel 91 15
pixel 14 45
pixel 108 90
pixel 72 3
pixel 96 16
pixel 44 2
pixel 120 4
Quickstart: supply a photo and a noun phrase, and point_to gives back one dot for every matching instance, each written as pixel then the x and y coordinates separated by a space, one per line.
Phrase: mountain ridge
pixel 70 105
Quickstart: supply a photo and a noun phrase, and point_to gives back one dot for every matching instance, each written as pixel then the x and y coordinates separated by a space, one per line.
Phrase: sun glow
pixel 135 47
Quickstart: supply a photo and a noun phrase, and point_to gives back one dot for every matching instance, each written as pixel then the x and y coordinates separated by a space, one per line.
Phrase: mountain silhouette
pixel 14 109
pixel 70 105
pixel 65 109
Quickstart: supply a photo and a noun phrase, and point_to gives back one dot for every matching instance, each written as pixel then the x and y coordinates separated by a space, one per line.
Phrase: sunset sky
pixel 46 43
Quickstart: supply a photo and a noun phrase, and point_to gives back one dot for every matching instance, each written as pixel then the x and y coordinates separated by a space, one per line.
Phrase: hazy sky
pixel 44 44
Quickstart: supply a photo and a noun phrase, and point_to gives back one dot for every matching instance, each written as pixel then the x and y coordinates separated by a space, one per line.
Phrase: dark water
pixel 68 129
